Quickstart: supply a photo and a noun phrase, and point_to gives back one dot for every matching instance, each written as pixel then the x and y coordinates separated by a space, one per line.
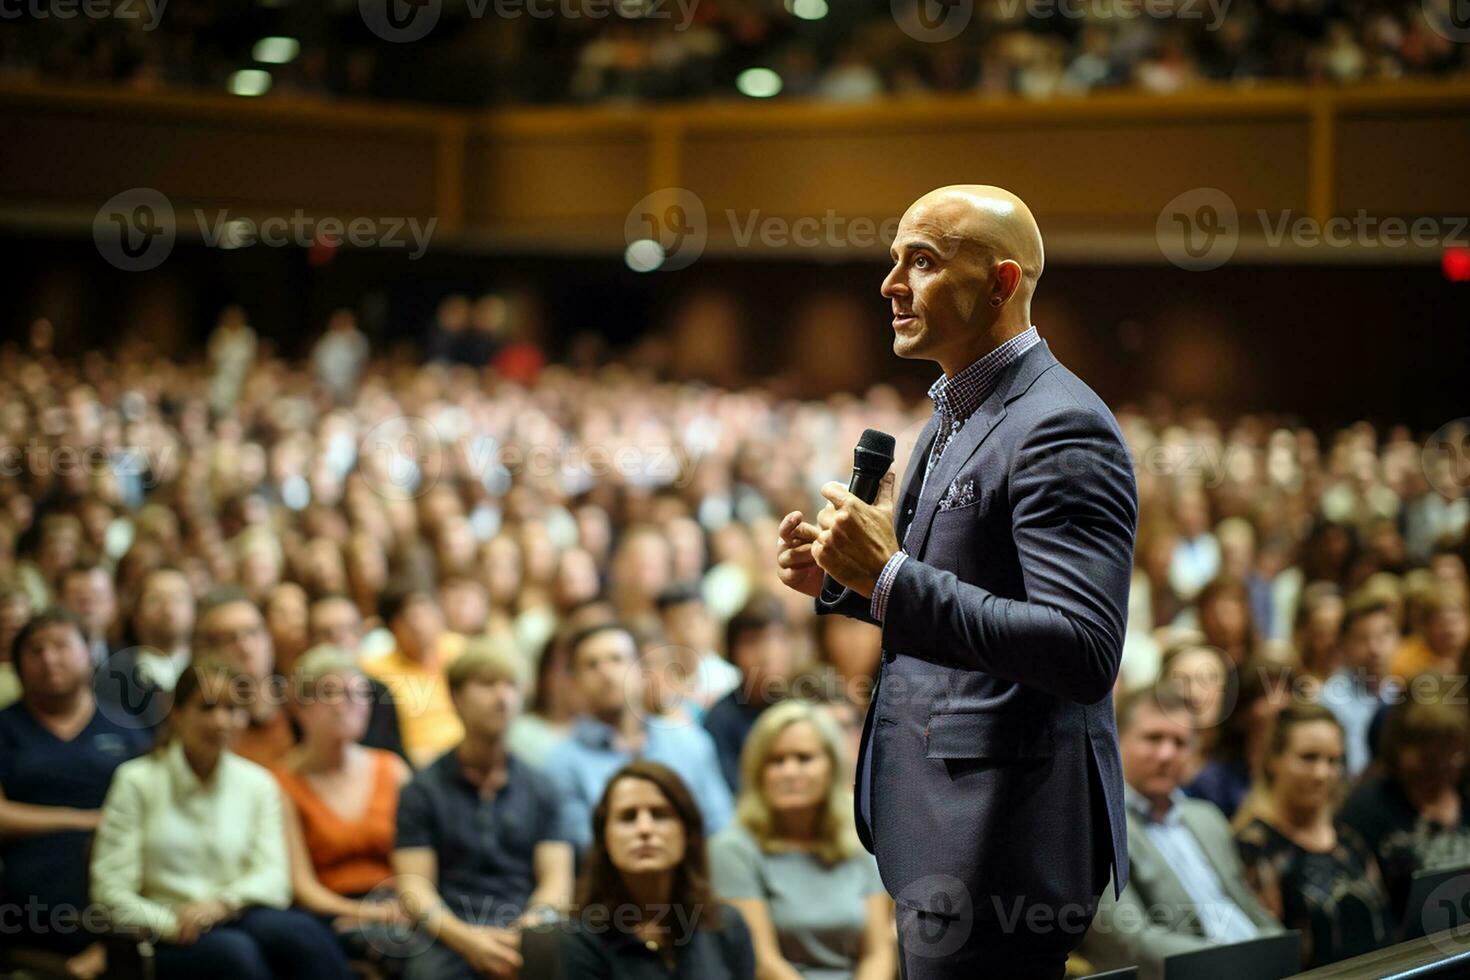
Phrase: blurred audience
pixel 860 51
pixel 592 538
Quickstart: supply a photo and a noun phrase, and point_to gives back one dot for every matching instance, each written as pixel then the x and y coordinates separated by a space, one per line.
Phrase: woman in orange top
pixel 341 798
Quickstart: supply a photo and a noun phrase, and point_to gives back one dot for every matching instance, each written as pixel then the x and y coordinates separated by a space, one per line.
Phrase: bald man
pixel 988 785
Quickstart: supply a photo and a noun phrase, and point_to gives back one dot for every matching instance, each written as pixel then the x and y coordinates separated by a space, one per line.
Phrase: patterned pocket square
pixel 957 495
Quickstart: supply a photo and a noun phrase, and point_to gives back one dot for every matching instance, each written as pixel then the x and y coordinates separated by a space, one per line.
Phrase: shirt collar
pixel 959 396
pixel 597 734
pixel 185 780
pixel 1142 807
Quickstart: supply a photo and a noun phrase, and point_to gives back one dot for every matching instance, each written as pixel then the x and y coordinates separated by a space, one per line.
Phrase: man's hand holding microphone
pixel 851 541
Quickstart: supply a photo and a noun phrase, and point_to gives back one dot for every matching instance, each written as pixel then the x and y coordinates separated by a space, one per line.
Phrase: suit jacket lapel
pixel 908 496
pixel 1011 384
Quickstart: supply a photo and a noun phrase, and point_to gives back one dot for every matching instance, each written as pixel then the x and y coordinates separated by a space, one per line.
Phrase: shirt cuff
pixel 879 603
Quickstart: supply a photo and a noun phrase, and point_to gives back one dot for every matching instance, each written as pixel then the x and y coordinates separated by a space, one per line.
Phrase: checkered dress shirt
pixel 955 400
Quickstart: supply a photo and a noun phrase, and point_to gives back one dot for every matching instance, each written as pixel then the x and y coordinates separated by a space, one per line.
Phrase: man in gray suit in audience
pixel 1186 889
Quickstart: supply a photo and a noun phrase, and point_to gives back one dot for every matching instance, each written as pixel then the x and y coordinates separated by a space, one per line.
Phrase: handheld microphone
pixel 871 459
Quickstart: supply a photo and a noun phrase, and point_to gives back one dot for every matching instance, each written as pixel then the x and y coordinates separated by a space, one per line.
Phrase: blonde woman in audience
pixel 341 800
pixel 1313 872
pixel 191 849
pixel 792 863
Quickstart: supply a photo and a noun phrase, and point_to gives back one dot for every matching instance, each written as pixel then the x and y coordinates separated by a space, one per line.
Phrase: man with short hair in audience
pixel 1186 889
pixel 414 671
pixel 689 632
pixel 232 628
pixel 614 730
pixel 87 590
pixel 758 642
pixel 478 851
pixel 57 756
pixel 335 620
pixel 1362 686
pixel 138 679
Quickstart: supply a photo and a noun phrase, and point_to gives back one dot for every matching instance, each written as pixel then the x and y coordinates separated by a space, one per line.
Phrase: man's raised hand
pixel 856 539
pixel 798 569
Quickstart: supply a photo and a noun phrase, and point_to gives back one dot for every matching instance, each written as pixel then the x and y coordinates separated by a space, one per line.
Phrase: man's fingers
pixel 796 557
pixel 800 533
pixel 885 491
pixel 835 492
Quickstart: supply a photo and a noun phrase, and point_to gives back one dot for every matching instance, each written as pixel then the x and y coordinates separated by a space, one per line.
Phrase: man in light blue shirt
pixel 1186 889
pixel 616 730
pixel 1362 686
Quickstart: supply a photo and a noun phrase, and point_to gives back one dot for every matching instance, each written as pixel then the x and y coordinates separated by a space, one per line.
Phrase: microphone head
pixel 874 452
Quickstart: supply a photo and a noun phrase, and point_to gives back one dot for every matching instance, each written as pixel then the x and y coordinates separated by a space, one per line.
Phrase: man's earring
pixel 996 301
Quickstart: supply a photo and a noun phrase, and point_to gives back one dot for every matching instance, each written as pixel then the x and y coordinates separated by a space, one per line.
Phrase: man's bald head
pixel 967 258
pixel 988 218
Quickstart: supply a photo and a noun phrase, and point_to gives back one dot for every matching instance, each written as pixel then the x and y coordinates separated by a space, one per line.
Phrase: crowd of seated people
pixel 422 670
pixel 591 51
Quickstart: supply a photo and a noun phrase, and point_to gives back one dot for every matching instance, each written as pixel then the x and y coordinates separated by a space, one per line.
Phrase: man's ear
pixel 1008 275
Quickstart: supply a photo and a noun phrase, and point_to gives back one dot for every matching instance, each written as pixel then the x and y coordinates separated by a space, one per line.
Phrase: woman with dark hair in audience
pixel 644 908
pixel 341 802
pixel 58 752
pixel 1411 808
pixel 792 863
pixel 554 703
pixel 1225 618
pixel 1234 761
pixel 1311 871
pixel 1316 633
pixel 192 849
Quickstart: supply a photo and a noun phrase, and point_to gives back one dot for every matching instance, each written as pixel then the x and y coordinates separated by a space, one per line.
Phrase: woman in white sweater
pixel 191 848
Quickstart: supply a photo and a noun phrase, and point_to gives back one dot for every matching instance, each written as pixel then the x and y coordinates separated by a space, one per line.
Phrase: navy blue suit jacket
pixel 989 777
